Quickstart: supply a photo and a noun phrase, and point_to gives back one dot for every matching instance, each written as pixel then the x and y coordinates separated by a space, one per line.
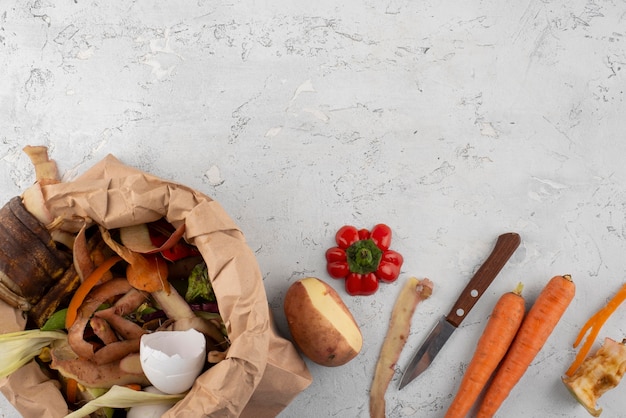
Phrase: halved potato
pixel 321 324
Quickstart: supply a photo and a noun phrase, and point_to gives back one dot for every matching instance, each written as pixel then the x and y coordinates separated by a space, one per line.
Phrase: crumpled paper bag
pixel 262 373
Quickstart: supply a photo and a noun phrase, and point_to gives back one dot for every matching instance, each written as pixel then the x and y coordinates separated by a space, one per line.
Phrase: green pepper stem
pixel 363 256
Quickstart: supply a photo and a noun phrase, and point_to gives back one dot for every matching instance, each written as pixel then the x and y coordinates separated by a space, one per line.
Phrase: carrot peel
pixel 83 290
pixel 71 390
pixel 593 326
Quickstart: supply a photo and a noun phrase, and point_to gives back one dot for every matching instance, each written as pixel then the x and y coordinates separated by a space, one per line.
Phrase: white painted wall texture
pixel 450 121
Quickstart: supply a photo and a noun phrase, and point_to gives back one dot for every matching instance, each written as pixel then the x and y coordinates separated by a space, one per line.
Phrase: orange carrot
pixel 593 325
pixel 493 344
pixel 532 335
pixel 81 293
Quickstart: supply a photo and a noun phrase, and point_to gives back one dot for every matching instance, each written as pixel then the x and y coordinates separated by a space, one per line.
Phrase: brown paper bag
pixel 262 373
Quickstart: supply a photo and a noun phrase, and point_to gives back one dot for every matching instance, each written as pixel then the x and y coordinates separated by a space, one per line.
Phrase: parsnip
pixel 413 292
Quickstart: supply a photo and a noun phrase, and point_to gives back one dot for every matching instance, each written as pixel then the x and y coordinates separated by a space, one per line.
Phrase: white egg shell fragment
pixel 149 411
pixel 172 360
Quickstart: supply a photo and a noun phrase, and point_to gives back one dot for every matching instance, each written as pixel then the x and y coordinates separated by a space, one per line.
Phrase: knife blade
pixel 504 248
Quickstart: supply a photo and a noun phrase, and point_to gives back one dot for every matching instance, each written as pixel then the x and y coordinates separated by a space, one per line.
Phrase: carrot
pixel 493 344
pixel 83 290
pixel 541 320
pixel 593 326
pixel 71 390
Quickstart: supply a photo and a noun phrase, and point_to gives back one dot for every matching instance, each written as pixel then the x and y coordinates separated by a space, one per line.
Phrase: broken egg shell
pixel 149 411
pixel 172 360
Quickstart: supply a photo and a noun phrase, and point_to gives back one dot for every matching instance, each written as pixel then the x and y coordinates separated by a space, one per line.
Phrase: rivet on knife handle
pixel 445 327
pixel 504 248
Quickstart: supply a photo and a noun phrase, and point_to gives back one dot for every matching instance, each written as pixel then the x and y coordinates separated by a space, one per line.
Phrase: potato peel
pixel 413 292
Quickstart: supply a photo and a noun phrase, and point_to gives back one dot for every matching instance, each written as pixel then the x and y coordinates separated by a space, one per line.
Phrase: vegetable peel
pixel 147 273
pixel 82 291
pixel 592 328
pixel 413 292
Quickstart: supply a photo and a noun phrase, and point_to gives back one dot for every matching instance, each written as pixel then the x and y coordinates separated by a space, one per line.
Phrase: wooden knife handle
pixel 503 250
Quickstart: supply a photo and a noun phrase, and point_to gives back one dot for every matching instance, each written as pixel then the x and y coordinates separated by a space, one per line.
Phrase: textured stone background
pixel 451 121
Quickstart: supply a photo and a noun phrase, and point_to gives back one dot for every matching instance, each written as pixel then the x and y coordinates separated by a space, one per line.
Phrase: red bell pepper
pixel 161 232
pixel 363 258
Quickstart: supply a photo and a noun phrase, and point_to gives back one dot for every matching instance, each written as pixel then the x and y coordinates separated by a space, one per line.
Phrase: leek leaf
pixel 123 397
pixel 18 348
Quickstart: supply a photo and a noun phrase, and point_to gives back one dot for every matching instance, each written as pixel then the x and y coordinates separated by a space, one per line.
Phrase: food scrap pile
pixel 90 296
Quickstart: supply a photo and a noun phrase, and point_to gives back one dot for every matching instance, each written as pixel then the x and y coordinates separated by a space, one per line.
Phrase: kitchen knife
pixel 504 248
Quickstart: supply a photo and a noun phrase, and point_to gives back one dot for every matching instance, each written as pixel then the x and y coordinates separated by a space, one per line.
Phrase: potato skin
pixel 316 336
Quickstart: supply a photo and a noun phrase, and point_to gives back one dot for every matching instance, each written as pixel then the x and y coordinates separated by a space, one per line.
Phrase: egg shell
pixel 172 360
